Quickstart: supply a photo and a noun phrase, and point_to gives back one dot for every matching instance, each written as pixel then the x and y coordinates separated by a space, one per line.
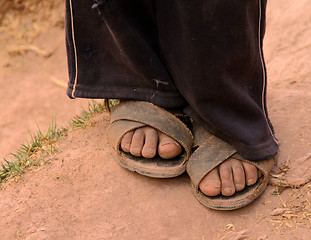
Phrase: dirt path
pixel 29 97
pixel 83 194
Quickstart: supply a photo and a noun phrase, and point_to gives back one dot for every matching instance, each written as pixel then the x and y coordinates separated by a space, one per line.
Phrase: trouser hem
pixel 159 98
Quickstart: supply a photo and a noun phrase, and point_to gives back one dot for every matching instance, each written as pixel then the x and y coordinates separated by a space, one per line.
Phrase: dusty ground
pixel 28 94
pixel 84 194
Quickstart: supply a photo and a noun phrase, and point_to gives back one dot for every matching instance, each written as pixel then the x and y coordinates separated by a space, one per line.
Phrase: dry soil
pixel 83 194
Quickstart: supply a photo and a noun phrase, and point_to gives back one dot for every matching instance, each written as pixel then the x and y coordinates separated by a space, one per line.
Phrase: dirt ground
pixel 29 96
pixel 83 194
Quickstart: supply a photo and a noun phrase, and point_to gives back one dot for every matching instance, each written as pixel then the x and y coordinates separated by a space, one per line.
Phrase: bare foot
pixel 147 142
pixel 229 177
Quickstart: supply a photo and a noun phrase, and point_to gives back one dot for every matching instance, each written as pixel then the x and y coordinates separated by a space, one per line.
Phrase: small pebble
pixel 278 211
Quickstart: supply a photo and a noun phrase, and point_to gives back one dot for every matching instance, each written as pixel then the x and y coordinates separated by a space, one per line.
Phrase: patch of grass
pixel 82 120
pixel 34 152
pixel 27 155
pixel 279 189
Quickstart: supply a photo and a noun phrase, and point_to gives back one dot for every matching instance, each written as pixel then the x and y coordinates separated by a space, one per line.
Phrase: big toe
pixel 210 184
pixel 168 148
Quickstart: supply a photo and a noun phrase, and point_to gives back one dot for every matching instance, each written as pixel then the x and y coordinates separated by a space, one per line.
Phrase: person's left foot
pixel 229 177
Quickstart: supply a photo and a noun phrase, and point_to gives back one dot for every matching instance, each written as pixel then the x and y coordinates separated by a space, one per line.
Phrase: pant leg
pixel 208 53
pixel 113 53
pixel 213 50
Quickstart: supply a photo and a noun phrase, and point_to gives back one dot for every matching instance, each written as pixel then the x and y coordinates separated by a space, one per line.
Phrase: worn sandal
pixel 130 115
pixel 211 152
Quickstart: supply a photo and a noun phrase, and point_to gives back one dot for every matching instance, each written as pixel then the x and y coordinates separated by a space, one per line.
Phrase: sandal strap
pixel 145 113
pixel 208 156
pixel 118 129
pixel 210 153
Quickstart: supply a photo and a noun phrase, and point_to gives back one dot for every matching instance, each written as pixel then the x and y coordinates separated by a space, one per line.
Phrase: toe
pixel 168 147
pixel 210 184
pixel 151 140
pixel 251 173
pixel 238 175
pixel 126 141
pixel 226 177
pixel 137 144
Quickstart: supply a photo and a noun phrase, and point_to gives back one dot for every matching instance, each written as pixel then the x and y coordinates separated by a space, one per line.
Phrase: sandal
pixel 211 152
pixel 130 115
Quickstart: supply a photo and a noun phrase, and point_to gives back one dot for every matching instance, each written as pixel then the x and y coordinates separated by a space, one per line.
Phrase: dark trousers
pixel 204 56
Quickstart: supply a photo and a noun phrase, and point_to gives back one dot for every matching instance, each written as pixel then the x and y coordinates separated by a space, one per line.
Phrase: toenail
pixel 149 151
pixel 135 151
pixel 209 184
pixel 126 146
pixel 228 191
pixel 239 186
pixel 250 181
pixel 167 143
